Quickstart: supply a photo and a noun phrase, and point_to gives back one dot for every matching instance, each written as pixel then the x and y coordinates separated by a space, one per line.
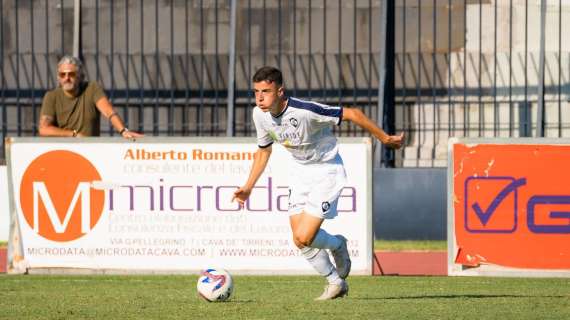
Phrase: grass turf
pixel 283 297
pixel 410 245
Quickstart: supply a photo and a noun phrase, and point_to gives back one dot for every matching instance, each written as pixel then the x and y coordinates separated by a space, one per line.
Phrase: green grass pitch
pixel 283 297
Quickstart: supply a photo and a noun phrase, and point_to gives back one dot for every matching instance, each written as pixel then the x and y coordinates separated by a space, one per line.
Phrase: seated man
pixel 73 109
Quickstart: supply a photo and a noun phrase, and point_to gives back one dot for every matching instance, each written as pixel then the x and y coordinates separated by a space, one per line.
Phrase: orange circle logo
pixel 56 196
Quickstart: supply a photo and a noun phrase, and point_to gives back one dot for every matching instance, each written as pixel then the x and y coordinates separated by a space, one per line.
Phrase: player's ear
pixel 281 92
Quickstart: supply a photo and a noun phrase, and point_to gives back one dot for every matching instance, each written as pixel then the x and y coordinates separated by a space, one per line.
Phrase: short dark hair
pixel 270 74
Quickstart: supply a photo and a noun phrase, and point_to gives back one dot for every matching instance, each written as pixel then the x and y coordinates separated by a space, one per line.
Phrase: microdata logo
pixel 56 197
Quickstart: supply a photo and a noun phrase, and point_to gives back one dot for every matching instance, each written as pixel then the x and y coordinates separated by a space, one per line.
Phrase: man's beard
pixel 69 86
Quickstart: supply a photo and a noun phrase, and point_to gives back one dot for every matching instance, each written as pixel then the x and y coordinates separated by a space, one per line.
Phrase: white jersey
pixel 304 128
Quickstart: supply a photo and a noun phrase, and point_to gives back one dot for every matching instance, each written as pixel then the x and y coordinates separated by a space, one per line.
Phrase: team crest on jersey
pixel 294 122
pixel 325 206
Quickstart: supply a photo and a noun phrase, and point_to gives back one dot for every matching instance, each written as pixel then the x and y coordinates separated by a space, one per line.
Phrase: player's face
pixel 68 76
pixel 268 96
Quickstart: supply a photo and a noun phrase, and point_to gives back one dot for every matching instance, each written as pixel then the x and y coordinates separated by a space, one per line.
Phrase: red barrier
pixel 410 263
pixel 3 260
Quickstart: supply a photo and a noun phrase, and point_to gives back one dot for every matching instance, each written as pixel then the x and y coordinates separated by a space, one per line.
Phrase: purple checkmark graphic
pixel 484 216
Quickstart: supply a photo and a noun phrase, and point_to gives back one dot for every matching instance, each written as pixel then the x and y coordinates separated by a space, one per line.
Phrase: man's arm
pixel 356 116
pixel 47 125
pixel 47 128
pixel 259 163
pixel 106 109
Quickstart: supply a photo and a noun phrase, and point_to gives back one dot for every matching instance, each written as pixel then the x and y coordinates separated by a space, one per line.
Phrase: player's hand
pixel 132 135
pixel 241 195
pixel 395 142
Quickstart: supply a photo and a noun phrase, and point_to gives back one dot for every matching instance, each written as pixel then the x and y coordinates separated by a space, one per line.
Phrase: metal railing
pixel 478 69
pixel 164 64
pixel 452 67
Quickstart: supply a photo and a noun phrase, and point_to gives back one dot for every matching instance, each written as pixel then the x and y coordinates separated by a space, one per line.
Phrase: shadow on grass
pixel 458 296
pixel 240 301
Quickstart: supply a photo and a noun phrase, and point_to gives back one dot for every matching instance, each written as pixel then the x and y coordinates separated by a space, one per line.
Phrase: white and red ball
pixel 215 285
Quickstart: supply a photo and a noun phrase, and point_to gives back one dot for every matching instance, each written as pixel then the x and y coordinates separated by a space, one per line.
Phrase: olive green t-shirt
pixel 78 113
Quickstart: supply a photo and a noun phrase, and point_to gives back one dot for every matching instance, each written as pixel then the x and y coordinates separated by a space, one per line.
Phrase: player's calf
pixel 342 258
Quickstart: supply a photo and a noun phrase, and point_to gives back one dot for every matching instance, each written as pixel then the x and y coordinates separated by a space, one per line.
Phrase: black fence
pixel 452 68
pixel 479 69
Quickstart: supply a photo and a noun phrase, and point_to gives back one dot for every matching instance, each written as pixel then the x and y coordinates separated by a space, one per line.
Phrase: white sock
pixel 324 240
pixel 320 261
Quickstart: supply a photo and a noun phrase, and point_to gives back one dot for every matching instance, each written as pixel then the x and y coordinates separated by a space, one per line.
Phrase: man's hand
pixel 127 134
pixel 241 195
pixel 395 142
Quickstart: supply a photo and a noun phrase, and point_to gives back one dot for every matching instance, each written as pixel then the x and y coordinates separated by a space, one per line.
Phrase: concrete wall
pixel 496 65
pixel 410 203
pixel 182 45
pixel 450 36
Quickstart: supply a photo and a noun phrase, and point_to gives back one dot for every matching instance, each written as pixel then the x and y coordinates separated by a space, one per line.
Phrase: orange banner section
pixel 512 205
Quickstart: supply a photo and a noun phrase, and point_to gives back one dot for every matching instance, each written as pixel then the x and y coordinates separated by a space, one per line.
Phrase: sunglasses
pixel 71 74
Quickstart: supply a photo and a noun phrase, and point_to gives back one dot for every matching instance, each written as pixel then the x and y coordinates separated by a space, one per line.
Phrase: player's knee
pixel 298 244
pixel 302 240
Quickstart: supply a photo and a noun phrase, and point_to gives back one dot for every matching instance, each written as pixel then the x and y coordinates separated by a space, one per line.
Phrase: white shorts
pixel 315 188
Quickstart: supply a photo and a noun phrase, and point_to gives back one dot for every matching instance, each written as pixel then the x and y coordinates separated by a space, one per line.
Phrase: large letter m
pixel 40 191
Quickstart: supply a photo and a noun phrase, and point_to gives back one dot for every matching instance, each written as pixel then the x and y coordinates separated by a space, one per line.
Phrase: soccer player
pixel 316 170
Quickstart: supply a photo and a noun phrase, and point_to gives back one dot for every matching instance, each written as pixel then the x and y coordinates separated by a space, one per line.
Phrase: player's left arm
pixel 357 117
pixel 106 109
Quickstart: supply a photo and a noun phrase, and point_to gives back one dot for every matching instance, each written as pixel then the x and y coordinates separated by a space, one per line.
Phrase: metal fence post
pixel 231 71
pixel 385 115
pixel 540 106
pixel 378 150
pixel 76 28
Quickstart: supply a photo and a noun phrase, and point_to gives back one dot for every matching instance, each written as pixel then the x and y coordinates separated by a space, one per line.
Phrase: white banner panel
pixel 165 204
pixel 4 208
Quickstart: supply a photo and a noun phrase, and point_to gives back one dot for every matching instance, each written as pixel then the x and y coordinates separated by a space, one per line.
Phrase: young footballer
pixel 316 170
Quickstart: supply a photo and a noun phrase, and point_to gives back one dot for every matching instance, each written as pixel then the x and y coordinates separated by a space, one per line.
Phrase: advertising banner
pixel 162 204
pixel 509 207
pixel 4 208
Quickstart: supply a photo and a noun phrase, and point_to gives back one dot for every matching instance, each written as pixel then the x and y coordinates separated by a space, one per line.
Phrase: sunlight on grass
pixel 283 297
pixel 410 245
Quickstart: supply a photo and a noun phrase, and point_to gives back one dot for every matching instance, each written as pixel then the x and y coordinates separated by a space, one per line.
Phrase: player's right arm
pixel 259 163
pixel 357 117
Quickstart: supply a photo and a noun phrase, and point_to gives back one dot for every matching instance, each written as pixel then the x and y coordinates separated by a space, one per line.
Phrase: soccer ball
pixel 215 285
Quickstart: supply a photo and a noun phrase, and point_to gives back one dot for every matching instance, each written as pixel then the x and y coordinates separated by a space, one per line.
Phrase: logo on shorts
pixel 294 122
pixel 325 206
